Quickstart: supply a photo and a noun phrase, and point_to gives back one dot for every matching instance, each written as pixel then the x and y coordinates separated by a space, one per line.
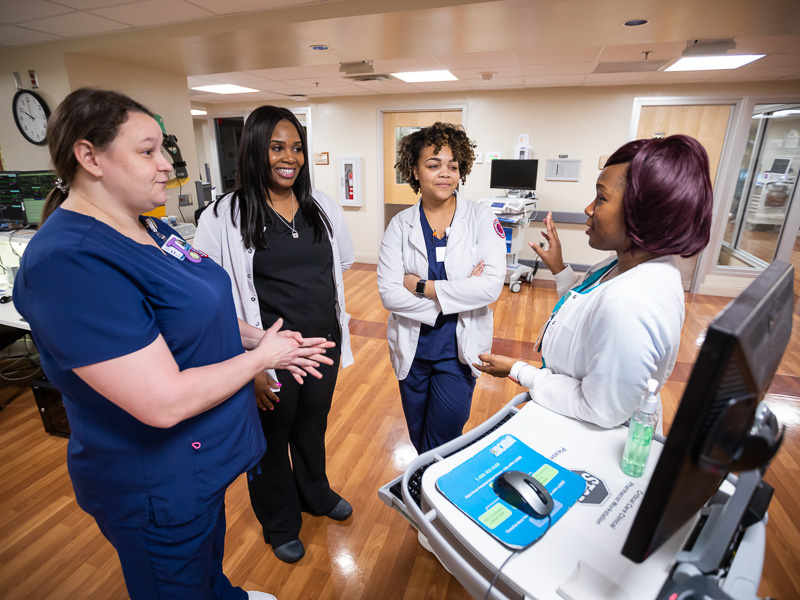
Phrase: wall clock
pixel 30 115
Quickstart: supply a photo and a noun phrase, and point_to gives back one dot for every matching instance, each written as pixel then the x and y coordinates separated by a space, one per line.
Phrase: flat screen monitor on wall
pixel 514 174
pixel 720 426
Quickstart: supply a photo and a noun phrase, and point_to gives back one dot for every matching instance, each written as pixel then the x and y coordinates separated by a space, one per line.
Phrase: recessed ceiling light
pixel 713 63
pixel 425 76
pixel 198 112
pixel 298 97
pixel 319 47
pixel 635 22
pixel 225 88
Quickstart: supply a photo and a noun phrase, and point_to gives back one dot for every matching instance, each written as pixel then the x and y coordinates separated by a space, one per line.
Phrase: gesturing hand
pixel 551 255
pixel 495 365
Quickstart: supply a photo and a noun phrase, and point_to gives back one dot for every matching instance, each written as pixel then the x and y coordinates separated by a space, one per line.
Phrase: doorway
pixel 397 194
pixel 708 123
pixel 762 221
pixel 228 132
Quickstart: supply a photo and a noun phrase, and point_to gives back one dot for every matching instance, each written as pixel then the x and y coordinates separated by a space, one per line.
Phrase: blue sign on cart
pixel 469 487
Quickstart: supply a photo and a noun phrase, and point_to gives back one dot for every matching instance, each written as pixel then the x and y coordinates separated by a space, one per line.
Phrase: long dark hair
pixel 86 114
pixel 253 180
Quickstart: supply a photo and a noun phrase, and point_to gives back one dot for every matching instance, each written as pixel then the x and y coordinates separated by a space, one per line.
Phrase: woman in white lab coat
pixel 442 262
pixel 620 324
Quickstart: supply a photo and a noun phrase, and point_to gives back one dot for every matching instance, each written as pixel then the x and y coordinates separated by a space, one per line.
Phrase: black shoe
pixel 290 552
pixel 341 511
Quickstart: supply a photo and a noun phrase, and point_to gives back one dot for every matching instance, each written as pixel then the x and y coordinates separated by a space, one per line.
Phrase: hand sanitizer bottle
pixel 640 433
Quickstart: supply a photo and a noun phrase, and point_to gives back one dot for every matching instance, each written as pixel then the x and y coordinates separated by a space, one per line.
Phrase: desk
pixel 10 317
pixel 580 557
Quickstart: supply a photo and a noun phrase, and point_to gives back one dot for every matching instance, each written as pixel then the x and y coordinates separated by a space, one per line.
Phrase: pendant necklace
pixel 295 235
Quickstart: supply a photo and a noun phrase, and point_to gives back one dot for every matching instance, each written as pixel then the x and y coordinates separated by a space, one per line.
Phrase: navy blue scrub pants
pixel 176 562
pixel 279 488
pixel 437 397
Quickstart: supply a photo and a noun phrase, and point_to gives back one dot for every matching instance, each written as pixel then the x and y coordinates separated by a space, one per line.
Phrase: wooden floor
pixel 51 550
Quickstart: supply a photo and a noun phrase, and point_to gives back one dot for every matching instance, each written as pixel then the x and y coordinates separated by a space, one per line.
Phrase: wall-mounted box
pixel 350 187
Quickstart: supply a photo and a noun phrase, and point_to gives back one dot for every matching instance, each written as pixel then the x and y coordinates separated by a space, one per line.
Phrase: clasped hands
pixel 291 351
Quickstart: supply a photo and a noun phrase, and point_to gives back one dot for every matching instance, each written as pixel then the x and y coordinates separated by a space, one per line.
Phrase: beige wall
pixel 61 72
pixel 583 123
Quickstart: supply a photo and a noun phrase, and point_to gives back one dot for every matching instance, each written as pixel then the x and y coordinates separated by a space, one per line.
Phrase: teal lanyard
pixel 586 285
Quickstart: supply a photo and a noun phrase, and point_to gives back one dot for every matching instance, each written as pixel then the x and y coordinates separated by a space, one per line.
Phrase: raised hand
pixel 551 254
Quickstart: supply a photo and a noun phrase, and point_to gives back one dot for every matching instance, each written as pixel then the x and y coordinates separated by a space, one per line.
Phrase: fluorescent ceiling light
pixel 224 88
pixel 198 112
pixel 713 63
pixel 786 113
pixel 425 76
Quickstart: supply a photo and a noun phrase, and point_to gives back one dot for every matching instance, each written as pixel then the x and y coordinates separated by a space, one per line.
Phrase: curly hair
pixel 437 135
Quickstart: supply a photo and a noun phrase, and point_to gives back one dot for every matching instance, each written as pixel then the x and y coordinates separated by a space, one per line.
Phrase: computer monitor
pixel 719 427
pixel 514 174
pixel 33 210
pixel 781 165
pixel 203 191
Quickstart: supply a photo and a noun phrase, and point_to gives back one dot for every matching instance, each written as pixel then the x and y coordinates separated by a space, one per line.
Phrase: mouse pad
pixel 469 487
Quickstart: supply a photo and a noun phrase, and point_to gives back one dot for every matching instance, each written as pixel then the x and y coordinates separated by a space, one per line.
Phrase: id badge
pixel 440 250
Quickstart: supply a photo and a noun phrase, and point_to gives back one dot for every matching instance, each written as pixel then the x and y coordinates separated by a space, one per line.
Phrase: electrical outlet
pixel 185 200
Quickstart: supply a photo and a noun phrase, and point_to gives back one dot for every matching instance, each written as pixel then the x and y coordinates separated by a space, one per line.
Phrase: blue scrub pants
pixel 437 397
pixel 178 562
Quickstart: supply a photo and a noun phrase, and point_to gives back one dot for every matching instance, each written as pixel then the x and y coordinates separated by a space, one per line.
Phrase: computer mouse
pixel 524 492
pixel 4 299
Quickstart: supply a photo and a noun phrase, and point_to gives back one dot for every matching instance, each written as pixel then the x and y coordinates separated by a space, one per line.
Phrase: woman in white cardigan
pixel 285 247
pixel 620 324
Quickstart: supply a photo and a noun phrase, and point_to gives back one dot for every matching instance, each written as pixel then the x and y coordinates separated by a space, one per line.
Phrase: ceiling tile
pixel 88 4
pixel 75 24
pixel 283 74
pixel 479 60
pixel 16 11
pixel 498 72
pixel 756 74
pixel 554 56
pixel 153 12
pixel 235 6
pixel 11 35
pixel 562 69
pixel 616 78
pixel 634 52
pixel 404 65
pixel 554 80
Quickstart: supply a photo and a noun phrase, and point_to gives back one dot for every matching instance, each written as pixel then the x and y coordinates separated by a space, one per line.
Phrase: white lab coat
pixel 222 240
pixel 602 346
pixel 475 235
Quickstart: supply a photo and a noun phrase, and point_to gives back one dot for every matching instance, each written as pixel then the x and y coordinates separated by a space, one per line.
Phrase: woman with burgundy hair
pixel 620 324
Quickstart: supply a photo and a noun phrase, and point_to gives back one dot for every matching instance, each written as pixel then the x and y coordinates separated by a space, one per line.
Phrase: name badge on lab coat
pixel 440 250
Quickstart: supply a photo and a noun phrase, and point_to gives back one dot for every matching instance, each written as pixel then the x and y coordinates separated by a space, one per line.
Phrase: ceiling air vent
pixel 371 77
pixel 637 66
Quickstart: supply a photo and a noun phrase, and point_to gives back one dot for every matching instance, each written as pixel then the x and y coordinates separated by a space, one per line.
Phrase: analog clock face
pixel 30 115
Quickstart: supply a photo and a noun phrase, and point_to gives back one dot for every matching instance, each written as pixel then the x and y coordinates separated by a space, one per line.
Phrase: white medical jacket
pixel 222 240
pixel 475 235
pixel 602 346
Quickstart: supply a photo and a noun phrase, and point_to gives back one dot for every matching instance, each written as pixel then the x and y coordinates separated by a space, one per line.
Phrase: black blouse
pixel 294 279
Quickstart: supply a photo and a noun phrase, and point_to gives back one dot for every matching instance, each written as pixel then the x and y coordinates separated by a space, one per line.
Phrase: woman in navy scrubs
pixel 139 333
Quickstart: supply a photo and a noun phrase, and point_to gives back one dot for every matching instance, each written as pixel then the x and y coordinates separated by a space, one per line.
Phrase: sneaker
pixel 260 596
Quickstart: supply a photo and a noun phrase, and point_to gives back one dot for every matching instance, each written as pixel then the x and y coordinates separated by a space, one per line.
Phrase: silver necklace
pixel 295 235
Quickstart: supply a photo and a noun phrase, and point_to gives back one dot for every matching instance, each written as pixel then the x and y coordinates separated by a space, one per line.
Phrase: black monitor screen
pixel 711 430
pixel 514 174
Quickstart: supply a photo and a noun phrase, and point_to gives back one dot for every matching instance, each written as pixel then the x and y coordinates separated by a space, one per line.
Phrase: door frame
pixel 734 156
pixel 212 150
pixel 380 154
pixel 723 182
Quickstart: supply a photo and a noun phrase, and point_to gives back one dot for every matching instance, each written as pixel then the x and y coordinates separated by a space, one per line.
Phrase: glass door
pixel 762 219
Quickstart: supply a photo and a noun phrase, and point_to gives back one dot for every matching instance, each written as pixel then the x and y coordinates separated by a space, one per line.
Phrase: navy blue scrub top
pixel 92 294
pixel 439 341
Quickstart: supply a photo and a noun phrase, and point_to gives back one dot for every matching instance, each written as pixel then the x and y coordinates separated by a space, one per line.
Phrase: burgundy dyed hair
pixel 668 196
